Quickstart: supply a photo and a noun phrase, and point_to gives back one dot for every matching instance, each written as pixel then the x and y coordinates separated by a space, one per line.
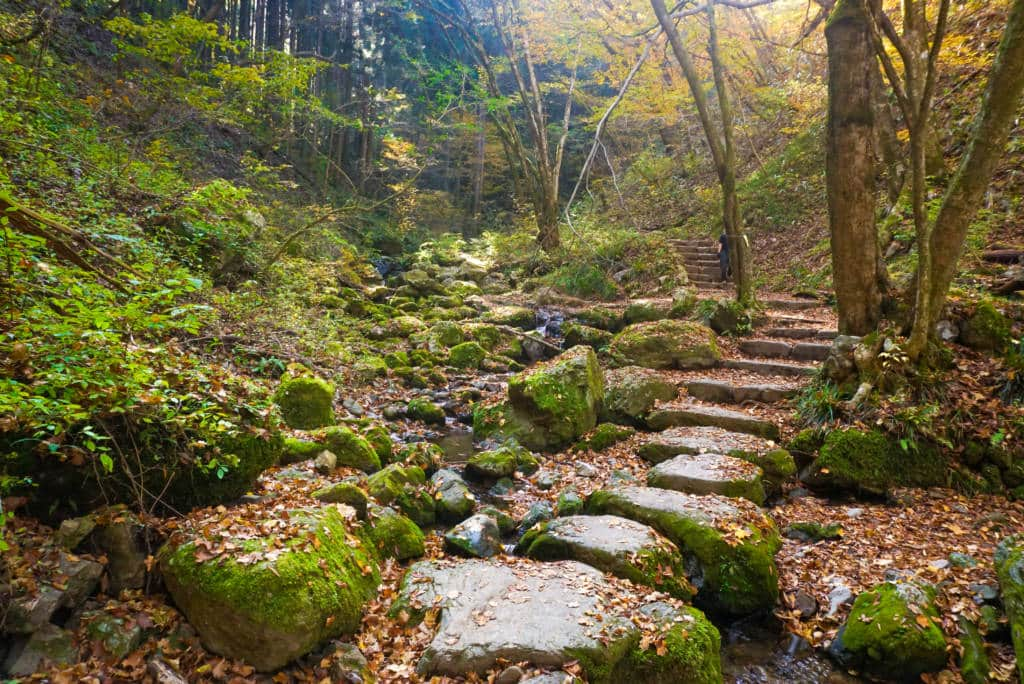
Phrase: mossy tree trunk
pixel 850 168
pixel 720 142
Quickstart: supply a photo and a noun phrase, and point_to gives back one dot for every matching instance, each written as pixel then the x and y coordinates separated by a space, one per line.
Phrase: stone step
pixel 711 271
pixel 799 351
pixel 620 546
pixel 768 367
pixel 717 532
pixel 724 392
pixel 709 474
pixel 714 416
pixel 790 304
pixel 518 610
pixel 662 446
pixel 801 333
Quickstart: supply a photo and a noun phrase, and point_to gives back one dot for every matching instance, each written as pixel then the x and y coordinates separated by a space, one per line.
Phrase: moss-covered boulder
pixel 351 449
pixel 246 454
pixel 274 597
pixel 502 462
pixel 467 355
pixel 869 461
pixel 305 402
pixel 380 439
pixel 424 455
pixel 644 311
pixel 296 449
pixel 604 436
pixel 405 488
pixel 732 543
pixel 631 392
pixel 1009 563
pixel 424 410
pixel 348 493
pixel 555 403
pixel 576 333
pixel 404 326
pixel 601 318
pixel 476 537
pixel 623 547
pixel 666 344
pixel 893 631
pixel 396 536
pixel 454 500
pixel 512 316
pixel 987 329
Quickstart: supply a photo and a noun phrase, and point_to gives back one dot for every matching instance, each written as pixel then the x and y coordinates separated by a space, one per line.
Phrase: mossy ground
pixel 306 402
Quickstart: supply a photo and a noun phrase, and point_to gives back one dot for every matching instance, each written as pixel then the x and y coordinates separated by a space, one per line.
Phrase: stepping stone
pixel 549 615
pixel 732 542
pixel 704 440
pixel 728 393
pixel 715 416
pixel 619 546
pixel 810 351
pixel 709 474
pixel 761 347
pixel 768 367
pixel 801 333
pixel 791 304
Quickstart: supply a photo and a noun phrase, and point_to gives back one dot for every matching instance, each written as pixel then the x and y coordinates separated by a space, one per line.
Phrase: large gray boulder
pixel 666 344
pixel 631 392
pixel 709 474
pixel 548 615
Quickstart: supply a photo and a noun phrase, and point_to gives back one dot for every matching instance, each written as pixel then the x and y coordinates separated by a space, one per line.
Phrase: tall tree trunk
pixel 988 140
pixel 887 144
pixel 915 34
pixel 850 169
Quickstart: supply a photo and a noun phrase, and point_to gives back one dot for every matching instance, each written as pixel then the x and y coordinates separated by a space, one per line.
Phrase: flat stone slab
pixel 768 367
pixel 620 546
pixel 801 333
pixel 728 393
pixel 790 304
pixel 703 440
pixel 714 416
pixel 709 474
pixel 773 348
pixel 810 351
pixel 731 541
pixel 546 614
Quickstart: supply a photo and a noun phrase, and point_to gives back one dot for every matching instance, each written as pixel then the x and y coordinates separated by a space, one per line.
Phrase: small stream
pixel 753 651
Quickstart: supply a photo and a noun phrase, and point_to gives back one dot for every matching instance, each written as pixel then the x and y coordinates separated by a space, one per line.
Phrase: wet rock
pixel 569 503
pixel 49 645
pixel 538 512
pixel 631 393
pixel 619 546
pixel 892 634
pixel 454 500
pixel 666 344
pixel 542 614
pixel 304 598
pixel 477 536
pixel 733 574
pixel 28 614
pixel 506 524
pixel 120 536
pixel 839 596
pixel 349 666
pixel 709 474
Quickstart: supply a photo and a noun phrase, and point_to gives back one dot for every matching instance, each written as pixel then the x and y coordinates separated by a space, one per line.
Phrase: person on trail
pixel 723 256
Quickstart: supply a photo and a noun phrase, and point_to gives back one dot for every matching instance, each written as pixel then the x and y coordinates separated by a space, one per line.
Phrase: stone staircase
pixel 700 257
pixel 713 463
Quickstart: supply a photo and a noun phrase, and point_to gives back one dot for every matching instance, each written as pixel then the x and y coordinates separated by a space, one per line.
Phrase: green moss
pixel 601 318
pixel 447 334
pixel 502 462
pixel 296 450
pixel 568 503
pixel 987 329
pixel 737 577
pixel 467 355
pixel 1009 564
pixel 666 344
pixel 691 654
pixel 290 604
pixel 403 486
pixel 380 439
pixel 351 449
pixel 814 531
pixel 974 662
pixel 559 400
pixel 871 462
pixel 883 631
pixel 346 493
pixel 488 336
pixel 807 442
pixel 512 316
pixel 247 455
pixel 426 411
pixel 397 359
pixel 305 402
pixel 604 436
pixel 396 536
pixel 369 367
pixel 424 455
pixel 506 524
pixel 577 333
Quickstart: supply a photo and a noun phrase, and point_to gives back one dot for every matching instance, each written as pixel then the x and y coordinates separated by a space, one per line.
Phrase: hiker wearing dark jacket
pixel 723 256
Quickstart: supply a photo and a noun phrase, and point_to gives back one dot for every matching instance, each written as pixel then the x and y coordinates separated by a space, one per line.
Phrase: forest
pixel 498 341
